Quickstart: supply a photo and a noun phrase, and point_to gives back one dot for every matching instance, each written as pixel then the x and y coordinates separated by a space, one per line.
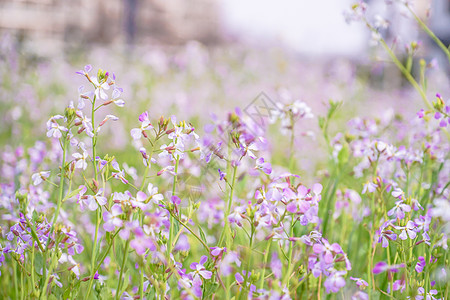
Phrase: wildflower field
pixel 226 173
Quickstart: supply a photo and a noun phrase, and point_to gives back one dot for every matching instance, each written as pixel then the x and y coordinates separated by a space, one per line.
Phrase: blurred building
pixel 53 23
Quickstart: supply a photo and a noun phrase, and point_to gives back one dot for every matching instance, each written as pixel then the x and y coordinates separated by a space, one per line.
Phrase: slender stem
pixel 149 164
pixel 369 268
pixel 291 145
pixel 430 33
pixel 266 255
pixel 94 252
pixel 404 71
pixel 291 248
pixel 172 223
pixel 124 260
pixel 106 252
pixel 43 294
pixel 32 269
pixel 94 138
pixel 191 231
pixel 34 234
pixel 227 213
pixel 58 208
pixel 141 285
pixel 16 285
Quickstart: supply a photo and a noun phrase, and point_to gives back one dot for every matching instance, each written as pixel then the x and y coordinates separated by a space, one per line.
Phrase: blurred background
pixel 200 57
pixel 308 27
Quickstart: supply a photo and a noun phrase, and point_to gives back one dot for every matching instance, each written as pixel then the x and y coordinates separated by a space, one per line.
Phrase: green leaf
pixel 202 235
pixel 343 155
pixel 71 194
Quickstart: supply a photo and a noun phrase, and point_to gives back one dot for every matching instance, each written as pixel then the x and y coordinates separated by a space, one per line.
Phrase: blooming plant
pixel 78 223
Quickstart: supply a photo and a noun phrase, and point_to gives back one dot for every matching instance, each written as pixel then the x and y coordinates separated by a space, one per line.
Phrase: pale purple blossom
pixel 335 282
pixel 112 219
pixel 93 201
pixel 40 177
pixel 199 268
pixel 399 209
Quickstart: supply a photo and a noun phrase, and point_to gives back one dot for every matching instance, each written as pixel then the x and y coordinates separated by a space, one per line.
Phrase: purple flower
pixel 421 113
pixel 81 160
pixel 93 201
pixel 120 174
pixel 386 235
pixel 221 174
pixel 360 282
pixel 381 267
pixel 199 268
pixel 408 230
pixel 335 282
pixel 263 166
pixel 369 187
pixel 40 177
pixel 87 69
pixel 326 250
pixel 420 264
pixel 116 98
pixel 112 219
pixel 240 280
pixel 100 88
pixel 182 243
pixel 53 128
pixel 276 266
pixel 429 296
pixel 141 242
pixel 218 251
pixel 175 200
pixel 399 209
pixel 137 133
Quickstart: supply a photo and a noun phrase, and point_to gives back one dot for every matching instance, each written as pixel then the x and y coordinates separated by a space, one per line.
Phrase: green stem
pixel 34 234
pixel 404 71
pixel 226 228
pixel 58 208
pixel 191 231
pixel 94 138
pixel 172 223
pixel 32 269
pixel 16 285
pixel 124 260
pixel 94 252
pixel 43 294
pixel 430 33
pixel 266 255
pixel 291 248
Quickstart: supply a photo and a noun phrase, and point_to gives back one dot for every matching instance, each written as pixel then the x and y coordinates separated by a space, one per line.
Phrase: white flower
pixel 100 89
pixel 40 177
pixel 81 160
